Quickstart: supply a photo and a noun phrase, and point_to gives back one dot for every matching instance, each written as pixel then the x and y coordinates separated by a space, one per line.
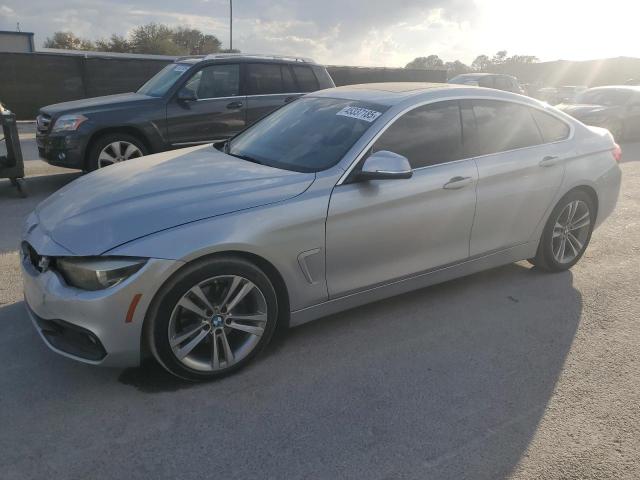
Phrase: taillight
pixel 617 152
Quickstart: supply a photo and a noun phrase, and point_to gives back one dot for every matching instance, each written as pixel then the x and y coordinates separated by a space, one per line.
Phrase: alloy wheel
pixel 217 323
pixel 117 152
pixel 571 232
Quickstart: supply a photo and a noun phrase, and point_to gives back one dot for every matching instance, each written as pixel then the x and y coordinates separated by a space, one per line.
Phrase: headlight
pixel 97 273
pixel 68 123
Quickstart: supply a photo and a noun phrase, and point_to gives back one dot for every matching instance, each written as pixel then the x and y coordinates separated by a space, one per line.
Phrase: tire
pixel 198 338
pixel 104 151
pixel 571 222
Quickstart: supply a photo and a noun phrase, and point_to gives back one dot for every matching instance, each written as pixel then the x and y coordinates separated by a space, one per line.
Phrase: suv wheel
pixel 114 148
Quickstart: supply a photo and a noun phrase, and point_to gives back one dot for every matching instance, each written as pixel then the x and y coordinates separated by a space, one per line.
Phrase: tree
pixel 154 38
pixel 424 63
pixel 194 42
pixel 68 41
pixel 499 57
pixel 117 43
pixel 481 63
pixel 456 68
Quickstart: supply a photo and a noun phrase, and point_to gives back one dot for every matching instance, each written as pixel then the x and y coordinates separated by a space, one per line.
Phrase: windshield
pixel 606 97
pixel 162 81
pixel 308 135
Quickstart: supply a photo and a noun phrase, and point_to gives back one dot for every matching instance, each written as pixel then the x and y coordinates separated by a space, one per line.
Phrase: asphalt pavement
pixel 510 373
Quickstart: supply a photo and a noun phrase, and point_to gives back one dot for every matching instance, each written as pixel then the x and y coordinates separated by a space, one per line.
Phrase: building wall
pixel 31 81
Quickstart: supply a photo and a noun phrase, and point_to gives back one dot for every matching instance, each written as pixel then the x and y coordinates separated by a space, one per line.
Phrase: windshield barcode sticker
pixel 180 68
pixel 359 113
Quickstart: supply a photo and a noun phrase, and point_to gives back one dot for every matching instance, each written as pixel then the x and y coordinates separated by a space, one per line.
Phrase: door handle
pixel 234 105
pixel 289 99
pixel 549 161
pixel 456 183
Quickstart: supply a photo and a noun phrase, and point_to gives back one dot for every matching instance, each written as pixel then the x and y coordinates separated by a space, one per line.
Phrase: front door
pixel 383 230
pixel 217 111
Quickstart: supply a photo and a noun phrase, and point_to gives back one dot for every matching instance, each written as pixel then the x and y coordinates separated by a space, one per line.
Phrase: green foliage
pixel 152 38
pixel 68 41
pixel 424 63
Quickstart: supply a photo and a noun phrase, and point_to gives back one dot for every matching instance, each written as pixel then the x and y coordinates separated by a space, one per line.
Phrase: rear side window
pixel 307 81
pixel 288 83
pixel 264 79
pixel 500 127
pixel 323 76
pixel 503 83
pixel 427 135
pixel 552 129
pixel 486 82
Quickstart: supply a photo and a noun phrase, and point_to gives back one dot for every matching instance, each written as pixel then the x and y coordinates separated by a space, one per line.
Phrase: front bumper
pixel 64 149
pixel 91 327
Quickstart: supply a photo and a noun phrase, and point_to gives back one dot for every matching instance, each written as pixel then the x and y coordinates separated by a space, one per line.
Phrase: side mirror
pixel 384 165
pixel 186 95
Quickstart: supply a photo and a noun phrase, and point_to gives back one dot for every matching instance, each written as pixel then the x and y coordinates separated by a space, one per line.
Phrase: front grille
pixel 43 123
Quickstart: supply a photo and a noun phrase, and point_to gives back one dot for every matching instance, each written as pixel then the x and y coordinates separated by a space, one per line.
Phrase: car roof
pixel 632 88
pixel 483 74
pixel 391 94
pixel 245 58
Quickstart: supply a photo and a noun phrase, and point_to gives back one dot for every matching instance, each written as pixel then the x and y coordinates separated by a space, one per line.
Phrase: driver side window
pixel 215 81
pixel 427 135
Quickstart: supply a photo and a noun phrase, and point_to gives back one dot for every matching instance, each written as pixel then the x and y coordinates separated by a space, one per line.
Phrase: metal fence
pixel 29 81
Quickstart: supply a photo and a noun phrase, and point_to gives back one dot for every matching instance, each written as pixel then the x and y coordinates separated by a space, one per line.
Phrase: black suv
pixel 192 101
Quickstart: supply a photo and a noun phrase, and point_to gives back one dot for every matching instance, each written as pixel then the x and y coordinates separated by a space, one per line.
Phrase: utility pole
pixel 230 25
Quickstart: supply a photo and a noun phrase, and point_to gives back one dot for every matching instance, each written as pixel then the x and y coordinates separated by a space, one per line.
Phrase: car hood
pixel 583 110
pixel 120 203
pixel 89 104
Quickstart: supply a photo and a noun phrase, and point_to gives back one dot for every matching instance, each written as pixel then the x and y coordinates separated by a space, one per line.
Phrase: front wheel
pixel 213 318
pixel 114 148
pixel 567 233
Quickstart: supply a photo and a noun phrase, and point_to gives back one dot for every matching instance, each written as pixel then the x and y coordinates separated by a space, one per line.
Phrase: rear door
pixel 382 230
pixel 268 86
pixel 218 112
pixel 519 170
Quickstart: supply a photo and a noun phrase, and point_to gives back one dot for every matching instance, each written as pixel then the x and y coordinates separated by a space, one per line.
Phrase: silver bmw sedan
pixel 340 198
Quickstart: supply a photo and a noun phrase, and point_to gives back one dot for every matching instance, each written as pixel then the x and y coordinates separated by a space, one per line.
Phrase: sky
pixel 360 32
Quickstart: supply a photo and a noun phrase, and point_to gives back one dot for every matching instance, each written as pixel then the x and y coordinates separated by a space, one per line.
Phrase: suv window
pixel 426 135
pixel 500 127
pixel 552 129
pixel 486 82
pixel 503 83
pixel 307 81
pixel 265 79
pixel 215 81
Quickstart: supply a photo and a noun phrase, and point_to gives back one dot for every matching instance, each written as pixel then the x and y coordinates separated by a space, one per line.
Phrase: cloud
pixel 361 32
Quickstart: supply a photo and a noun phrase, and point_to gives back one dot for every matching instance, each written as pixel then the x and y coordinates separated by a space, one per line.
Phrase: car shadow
pixel 448 381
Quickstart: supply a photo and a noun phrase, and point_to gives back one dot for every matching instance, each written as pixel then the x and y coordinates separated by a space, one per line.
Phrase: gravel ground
pixel 510 373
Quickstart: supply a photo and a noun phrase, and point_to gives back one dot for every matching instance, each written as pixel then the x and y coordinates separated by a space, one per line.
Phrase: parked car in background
pixel 616 108
pixel 549 95
pixel 508 83
pixel 343 197
pixel 192 101
pixel 568 93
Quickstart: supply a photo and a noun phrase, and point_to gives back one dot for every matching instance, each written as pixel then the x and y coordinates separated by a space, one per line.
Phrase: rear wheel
pixel 214 318
pixel 567 233
pixel 114 148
